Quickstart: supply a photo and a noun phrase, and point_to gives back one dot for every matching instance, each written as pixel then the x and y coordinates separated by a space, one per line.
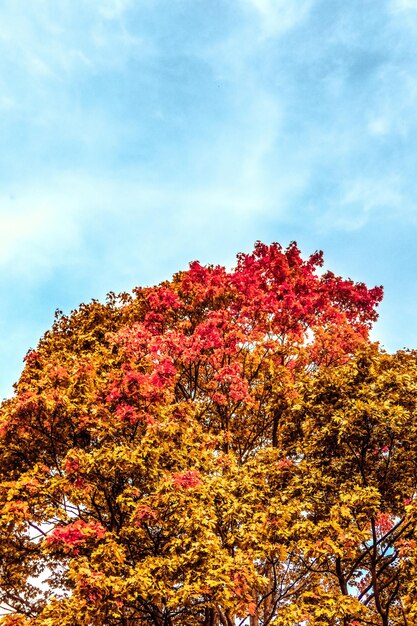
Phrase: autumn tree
pixel 225 448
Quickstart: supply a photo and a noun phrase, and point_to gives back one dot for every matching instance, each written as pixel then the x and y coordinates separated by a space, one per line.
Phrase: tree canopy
pixel 228 447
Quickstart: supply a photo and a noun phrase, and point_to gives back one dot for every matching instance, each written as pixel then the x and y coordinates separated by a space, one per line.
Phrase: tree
pixel 225 448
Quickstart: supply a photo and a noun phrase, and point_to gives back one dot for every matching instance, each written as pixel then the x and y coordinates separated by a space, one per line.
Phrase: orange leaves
pixel 15 511
pixel 241 587
pixel 72 465
pixel 144 513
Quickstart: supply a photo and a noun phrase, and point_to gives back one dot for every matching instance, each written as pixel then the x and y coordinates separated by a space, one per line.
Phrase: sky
pixel 140 135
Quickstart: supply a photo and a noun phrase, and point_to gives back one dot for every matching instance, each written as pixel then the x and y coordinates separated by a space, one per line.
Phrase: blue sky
pixel 140 135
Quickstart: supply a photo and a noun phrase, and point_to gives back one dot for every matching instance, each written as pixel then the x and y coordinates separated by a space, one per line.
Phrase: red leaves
pixel 230 385
pixel 284 464
pixel 71 465
pixel 31 356
pixel 355 299
pixel 205 334
pixel 204 283
pixel 127 413
pixel 187 480
pixel 384 523
pixel 289 289
pixel 384 450
pixel 76 533
pixel 162 298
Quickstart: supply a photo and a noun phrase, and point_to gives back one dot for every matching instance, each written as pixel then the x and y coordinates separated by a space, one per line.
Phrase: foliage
pixel 225 448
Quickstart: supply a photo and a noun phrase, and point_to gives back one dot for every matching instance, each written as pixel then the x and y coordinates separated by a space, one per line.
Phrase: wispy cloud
pixel 114 9
pixel 43 41
pixel 404 5
pixel 279 16
pixel 363 200
pixel 63 226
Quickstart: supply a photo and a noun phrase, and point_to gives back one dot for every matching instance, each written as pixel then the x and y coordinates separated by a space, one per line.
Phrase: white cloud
pixel 379 126
pixel 114 9
pixel 43 41
pixel 114 225
pixel 404 5
pixel 363 199
pixel 38 229
pixel 279 16
pixel 37 66
pixel 6 103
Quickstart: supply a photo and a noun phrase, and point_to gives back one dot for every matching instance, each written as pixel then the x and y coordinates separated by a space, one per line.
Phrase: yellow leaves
pixel 15 513
pixel 326 605
pixel 14 620
pixel 110 556
pixel 345 512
